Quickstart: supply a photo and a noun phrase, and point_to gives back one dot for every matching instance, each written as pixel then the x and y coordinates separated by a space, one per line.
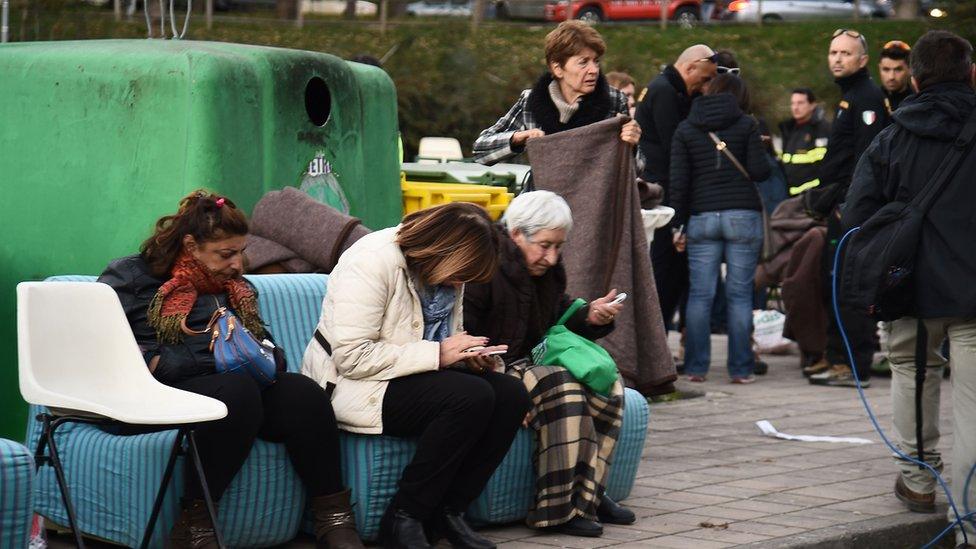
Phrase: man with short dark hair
pixel 805 136
pixel 660 108
pixel 861 114
pixel 897 166
pixel 895 74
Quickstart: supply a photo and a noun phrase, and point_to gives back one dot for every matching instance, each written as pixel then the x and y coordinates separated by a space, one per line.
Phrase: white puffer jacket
pixel 372 319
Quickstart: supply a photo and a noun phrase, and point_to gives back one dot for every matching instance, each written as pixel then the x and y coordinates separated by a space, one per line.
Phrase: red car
pixel 681 11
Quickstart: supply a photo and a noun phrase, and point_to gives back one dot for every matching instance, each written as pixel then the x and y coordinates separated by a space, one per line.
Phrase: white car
pixel 337 7
pixel 456 8
pixel 797 10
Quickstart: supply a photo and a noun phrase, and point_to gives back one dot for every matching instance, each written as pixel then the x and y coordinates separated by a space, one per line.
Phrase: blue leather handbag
pixel 237 351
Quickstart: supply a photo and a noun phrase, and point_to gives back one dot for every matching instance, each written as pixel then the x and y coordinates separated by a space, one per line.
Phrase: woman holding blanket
pixel 185 271
pixel 391 344
pixel 571 94
pixel 577 427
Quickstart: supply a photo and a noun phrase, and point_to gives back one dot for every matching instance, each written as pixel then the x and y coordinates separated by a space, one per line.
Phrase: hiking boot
pixel 761 368
pixel 809 359
pixel 839 375
pixel 817 367
pixel 193 529
pixel 335 525
pixel 916 502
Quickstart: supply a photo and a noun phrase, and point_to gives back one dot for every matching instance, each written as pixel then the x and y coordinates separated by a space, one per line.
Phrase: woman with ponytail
pixel 192 265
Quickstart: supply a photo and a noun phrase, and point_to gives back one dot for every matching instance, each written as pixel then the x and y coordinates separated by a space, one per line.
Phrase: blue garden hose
pixel 874 421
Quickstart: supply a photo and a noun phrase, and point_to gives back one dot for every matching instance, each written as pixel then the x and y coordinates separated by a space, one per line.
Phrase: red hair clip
pixel 220 202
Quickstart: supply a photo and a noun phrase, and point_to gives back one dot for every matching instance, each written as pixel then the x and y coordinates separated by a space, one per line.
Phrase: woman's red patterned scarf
pixel 175 299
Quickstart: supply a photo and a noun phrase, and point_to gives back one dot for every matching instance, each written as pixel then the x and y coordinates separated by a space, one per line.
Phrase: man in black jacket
pixel 805 137
pixel 861 114
pixel 897 166
pixel 895 73
pixel 662 106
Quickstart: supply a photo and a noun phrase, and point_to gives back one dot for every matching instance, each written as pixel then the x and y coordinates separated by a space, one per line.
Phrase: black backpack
pixel 878 272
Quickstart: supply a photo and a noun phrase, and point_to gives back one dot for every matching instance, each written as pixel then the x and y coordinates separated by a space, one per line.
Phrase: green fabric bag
pixel 589 363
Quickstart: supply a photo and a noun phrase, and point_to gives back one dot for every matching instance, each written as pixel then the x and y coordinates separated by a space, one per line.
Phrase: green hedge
pixel 452 82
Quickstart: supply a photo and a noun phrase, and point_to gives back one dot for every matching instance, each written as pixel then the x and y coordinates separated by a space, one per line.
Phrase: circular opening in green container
pixel 318 101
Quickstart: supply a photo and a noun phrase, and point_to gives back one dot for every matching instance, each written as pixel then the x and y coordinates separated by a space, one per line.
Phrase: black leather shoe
pixel 578 526
pixel 611 512
pixel 399 530
pixel 450 525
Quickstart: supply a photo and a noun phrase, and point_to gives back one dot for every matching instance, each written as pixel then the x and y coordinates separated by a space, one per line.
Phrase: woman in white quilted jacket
pixel 391 348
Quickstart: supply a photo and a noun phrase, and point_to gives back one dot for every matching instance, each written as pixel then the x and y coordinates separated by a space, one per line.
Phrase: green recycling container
pixel 98 139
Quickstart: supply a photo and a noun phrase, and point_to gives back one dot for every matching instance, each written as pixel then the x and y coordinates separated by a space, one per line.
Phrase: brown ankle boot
pixel 335 525
pixel 193 529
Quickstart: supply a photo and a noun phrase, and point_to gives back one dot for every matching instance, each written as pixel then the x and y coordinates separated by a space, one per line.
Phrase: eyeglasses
pixel 730 70
pixel 897 45
pixel 852 34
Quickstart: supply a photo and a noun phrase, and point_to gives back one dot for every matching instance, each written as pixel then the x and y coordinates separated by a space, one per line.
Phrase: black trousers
pixel 861 329
pixel 295 411
pixel 465 423
pixel 670 276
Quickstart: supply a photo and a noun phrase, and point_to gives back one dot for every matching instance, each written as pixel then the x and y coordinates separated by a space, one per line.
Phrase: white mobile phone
pixel 619 299
pixel 474 349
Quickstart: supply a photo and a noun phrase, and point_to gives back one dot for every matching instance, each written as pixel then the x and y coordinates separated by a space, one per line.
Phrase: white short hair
pixel 537 211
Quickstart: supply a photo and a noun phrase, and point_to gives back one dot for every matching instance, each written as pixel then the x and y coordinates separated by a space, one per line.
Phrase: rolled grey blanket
pixel 289 224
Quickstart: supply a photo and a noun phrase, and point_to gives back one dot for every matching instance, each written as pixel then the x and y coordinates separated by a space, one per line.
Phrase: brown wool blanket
pixel 296 233
pixel 594 171
pixel 787 224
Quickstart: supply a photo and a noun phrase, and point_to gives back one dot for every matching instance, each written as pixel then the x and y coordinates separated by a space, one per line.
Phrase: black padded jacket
pixel 703 179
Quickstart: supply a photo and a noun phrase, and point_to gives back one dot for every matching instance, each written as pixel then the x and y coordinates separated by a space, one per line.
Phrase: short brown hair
pixel 941 56
pixel 569 38
pixel 450 242
pixel 620 80
pixel 203 215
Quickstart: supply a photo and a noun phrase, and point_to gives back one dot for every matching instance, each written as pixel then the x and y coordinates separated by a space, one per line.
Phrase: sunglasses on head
pixel 852 34
pixel 898 45
pixel 730 70
pixel 710 59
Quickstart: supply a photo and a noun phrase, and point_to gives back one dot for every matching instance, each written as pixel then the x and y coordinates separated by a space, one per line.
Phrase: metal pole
pixel 5 21
pixel 209 14
pixel 117 8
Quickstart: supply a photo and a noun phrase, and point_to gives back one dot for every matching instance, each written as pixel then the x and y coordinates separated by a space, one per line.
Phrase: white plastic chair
pixel 78 357
pixel 433 150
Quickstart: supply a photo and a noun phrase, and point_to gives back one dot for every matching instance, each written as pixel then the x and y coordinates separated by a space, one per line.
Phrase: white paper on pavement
pixel 766 428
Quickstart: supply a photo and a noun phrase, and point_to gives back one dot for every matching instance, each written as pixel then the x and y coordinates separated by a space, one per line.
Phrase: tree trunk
pixel 906 9
pixel 384 13
pixel 857 10
pixel 286 9
pixel 477 13
pixel 350 11
pixel 664 13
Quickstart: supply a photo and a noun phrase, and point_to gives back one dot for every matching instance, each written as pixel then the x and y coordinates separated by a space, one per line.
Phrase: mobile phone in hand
pixel 619 299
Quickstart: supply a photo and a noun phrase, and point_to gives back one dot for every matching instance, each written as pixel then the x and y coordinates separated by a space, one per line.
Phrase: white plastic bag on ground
pixel 767 333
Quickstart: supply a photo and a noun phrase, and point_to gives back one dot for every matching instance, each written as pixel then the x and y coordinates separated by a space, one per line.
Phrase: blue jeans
pixel 734 236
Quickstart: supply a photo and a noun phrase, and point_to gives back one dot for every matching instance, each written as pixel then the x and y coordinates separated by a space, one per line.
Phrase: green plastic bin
pixel 100 138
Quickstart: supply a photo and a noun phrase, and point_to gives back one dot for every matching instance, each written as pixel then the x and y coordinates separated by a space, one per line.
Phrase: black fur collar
pixel 594 107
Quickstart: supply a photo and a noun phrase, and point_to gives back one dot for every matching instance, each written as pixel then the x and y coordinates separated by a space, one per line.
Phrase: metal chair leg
pixel 195 456
pixel 163 487
pixel 62 482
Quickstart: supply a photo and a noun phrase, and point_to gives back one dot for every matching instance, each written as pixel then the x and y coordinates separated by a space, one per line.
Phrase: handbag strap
pixel 575 306
pixel 949 166
pixel 721 146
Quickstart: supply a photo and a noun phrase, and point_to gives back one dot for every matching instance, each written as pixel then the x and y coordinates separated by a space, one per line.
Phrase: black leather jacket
pixel 191 357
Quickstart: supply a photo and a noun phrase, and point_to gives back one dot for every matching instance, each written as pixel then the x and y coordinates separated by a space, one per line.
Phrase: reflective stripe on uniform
pixel 804 187
pixel 810 157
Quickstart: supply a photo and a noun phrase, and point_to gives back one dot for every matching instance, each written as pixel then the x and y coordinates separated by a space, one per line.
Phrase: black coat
pixel 862 114
pixel 664 105
pixel 593 107
pixel 803 148
pixel 897 165
pixel 135 285
pixel 516 309
pixel 703 179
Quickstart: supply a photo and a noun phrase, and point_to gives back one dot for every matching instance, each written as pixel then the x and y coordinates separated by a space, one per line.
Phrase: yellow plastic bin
pixel 418 195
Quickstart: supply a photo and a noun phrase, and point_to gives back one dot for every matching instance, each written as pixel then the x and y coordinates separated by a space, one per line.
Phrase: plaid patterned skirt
pixel 577 431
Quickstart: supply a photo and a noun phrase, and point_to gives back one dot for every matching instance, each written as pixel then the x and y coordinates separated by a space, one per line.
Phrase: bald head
pixel 696 67
pixel 847 54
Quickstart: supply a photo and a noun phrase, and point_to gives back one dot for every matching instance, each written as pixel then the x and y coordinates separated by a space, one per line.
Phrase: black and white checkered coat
pixel 535 109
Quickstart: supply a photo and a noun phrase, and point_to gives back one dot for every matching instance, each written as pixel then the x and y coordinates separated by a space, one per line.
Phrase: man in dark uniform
pixel 896 77
pixel 805 138
pixel 862 114
pixel 662 106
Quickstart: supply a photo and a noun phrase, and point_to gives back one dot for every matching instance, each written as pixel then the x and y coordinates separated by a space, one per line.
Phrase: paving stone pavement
pixel 708 479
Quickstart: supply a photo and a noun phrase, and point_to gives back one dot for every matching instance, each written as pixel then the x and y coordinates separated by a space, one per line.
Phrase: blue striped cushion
pixel 630 445
pixel 511 490
pixel 16 507
pixel 290 306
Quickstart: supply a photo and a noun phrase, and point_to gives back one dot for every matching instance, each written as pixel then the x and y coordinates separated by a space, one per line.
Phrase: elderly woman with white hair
pixel 577 428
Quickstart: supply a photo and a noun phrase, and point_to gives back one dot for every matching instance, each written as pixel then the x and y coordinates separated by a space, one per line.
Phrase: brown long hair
pixel 451 242
pixel 203 215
